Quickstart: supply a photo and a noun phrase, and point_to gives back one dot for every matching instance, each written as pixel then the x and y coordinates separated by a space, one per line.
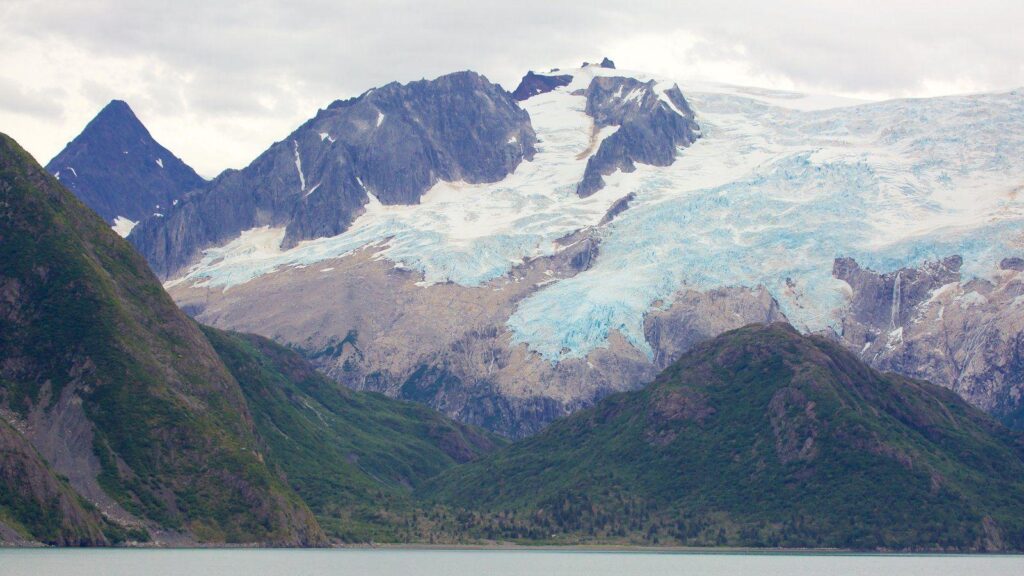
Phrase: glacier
pixel 778 186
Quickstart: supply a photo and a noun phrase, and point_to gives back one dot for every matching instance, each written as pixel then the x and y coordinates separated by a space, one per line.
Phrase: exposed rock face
pixel 697 316
pixel 652 127
pixel 42 504
pixel 393 142
pixel 620 206
pixel 448 345
pixel 116 167
pixel 533 84
pixel 606 62
pixel 928 323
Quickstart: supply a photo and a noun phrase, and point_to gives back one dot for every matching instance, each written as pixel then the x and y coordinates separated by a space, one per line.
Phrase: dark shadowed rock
pixel 393 142
pixel 1013 263
pixel 534 84
pixel 116 167
pixel 620 206
pixel 652 127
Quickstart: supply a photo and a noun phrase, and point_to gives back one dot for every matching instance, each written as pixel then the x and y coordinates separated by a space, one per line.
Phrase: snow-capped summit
pixel 116 168
pixel 510 259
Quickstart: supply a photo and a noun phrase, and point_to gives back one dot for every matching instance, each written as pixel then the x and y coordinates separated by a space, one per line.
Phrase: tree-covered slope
pixel 353 457
pixel 116 388
pixel 759 437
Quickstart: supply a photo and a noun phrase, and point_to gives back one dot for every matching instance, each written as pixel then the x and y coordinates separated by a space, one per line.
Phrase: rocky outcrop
pixel 533 84
pixel 652 125
pixel 116 167
pixel 930 323
pixel 605 62
pixel 44 507
pixel 620 206
pixel 696 316
pixel 393 143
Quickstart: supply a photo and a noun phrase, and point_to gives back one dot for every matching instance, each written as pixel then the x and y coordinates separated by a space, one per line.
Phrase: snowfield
pixel 779 185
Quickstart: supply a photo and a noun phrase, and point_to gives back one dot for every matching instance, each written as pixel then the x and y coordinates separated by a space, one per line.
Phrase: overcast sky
pixel 217 82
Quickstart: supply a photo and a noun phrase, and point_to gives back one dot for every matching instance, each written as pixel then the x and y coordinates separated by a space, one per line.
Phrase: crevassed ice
pixel 891 184
pixel 772 193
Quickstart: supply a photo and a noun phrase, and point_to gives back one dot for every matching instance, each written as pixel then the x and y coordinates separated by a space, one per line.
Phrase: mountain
pixel 645 216
pixel 347 454
pixel 760 437
pixel 117 389
pixel 123 419
pixel 116 168
pixel 389 146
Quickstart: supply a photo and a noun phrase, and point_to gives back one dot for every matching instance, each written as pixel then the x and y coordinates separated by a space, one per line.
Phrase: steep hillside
pixel 116 388
pixel 116 168
pixel 353 457
pixel 36 505
pixel 760 437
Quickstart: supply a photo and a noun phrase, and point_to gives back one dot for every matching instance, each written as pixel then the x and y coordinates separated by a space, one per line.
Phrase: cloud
pixel 17 98
pixel 217 82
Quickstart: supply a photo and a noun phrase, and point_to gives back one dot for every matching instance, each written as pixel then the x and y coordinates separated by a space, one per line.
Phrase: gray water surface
pixel 392 562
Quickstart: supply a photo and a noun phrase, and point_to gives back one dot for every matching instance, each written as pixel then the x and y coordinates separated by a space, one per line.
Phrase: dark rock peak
pixel 1012 263
pixel 116 167
pixel 533 84
pixel 606 62
pixel 652 127
pixel 394 142
pixel 620 206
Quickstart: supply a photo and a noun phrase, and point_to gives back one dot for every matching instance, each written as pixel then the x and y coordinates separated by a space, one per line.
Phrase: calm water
pixel 484 563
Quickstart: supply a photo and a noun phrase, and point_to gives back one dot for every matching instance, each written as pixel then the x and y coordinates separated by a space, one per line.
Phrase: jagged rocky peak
pixel 606 62
pixel 654 122
pixel 533 84
pixel 391 143
pixel 116 168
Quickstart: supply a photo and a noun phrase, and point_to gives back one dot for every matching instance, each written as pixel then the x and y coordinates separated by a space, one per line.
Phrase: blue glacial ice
pixel 769 196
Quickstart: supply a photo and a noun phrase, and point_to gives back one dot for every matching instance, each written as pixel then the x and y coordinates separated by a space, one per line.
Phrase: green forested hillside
pixel 114 378
pixel 353 457
pixel 760 437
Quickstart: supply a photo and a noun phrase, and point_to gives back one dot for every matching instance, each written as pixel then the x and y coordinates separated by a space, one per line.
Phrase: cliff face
pixel 929 323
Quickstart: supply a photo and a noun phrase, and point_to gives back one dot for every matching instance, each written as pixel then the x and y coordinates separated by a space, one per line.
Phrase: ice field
pixel 778 186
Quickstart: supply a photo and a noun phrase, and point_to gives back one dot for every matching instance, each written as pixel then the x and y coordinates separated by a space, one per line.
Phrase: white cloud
pixel 218 81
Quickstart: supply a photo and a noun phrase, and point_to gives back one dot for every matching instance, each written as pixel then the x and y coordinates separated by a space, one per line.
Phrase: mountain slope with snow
pixel 116 168
pixel 777 187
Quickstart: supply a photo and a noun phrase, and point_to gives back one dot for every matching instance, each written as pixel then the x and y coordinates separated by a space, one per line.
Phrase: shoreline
pixel 513 547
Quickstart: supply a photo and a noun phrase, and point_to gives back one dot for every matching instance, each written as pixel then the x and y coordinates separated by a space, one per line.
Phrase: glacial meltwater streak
pixel 396 562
